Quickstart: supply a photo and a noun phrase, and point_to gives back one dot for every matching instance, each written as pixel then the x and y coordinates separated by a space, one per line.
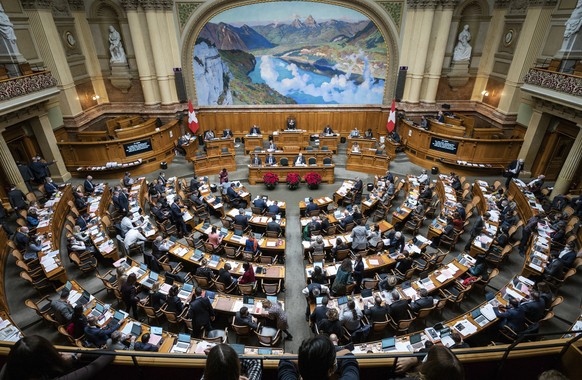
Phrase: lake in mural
pixel 289 52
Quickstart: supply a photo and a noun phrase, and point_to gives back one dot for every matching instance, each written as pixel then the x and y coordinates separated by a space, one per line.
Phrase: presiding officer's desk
pixel 465 155
pixel 256 173
pixel 362 142
pixel 142 153
pixel 253 141
pixel 367 161
pixel 319 155
pixel 295 137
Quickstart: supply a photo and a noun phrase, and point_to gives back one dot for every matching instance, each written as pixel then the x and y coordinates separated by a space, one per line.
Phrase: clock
pixel 70 39
pixel 508 38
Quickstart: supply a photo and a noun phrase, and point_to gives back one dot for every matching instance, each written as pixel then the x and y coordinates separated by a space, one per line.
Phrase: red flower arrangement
pixel 312 178
pixel 293 179
pixel 271 179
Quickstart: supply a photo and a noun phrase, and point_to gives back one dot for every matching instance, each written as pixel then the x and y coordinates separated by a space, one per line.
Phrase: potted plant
pixel 293 180
pixel 271 180
pixel 313 180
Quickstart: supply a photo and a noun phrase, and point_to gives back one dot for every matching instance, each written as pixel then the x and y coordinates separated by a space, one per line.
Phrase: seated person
pixel 423 178
pixel 227 133
pixel 339 246
pixel 208 135
pixel 459 342
pixel 348 218
pixel 399 307
pixel 270 160
pixel 50 187
pixel 254 130
pixel 378 312
pixel 441 117
pixel 534 307
pixel 356 148
pixel 235 198
pixel 396 243
pixel 423 122
pixel 244 318
pixel 395 136
pixel 241 219
pixel 259 202
pixel 96 335
pixel 311 206
pixel 256 161
pixel 273 208
pixel 369 134
pixel 355 133
pixel 327 130
pixel 291 124
pixel 204 271
pixel 274 226
pixel 225 277
pixel 299 160
pixel 145 344
pixel 272 146
pixel 331 324
pixel 511 316
pixel 425 301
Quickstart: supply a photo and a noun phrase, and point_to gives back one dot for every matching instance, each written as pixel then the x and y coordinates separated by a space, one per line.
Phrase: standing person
pixel 129 295
pixel 39 169
pixel 223 364
pixel 479 226
pixel 512 171
pixel 358 273
pixel 359 237
pixel 275 311
pixel 178 216
pixel 342 277
pixel 17 198
pixel 317 361
pixel 26 174
pixel 88 185
pixel 62 308
pixel 248 276
pixel 223 176
pixel 201 313
pixel 34 357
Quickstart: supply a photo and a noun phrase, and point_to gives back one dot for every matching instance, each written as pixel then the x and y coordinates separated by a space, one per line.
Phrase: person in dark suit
pixel 121 201
pixel 50 187
pixel 568 254
pixel 88 185
pixel 241 219
pixel 227 133
pixel 478 227
pixel 319 313
pixel 127 180
pixel 299 160
pixel 327 130
pixel 256 160
pixel 201 313
pixel 325 224
pixel 512 316
pixel 291 123
pixel 378 312
pixel 441 117
pixel 95 334
pixel 273 225
pixel 17 198
pixel 314 225
pixel 39 169
pixel 423 302
pixel 311 206
pixel 162 178
pixel 244 318
pixel 159 212
pixel 396 241
pixel 534 308
pixel 145 344
pixel 273 209
pixel 82 221
pixel 348 218
pixel 358 186
pixel 236 199
pixel 260 203
pixel 388 177
pixel 194 184
pixel 209 135
pixel 21 238
pixel 173 302
pixel 255 130
pixel 270 160
pixel 339 245
pixel 311 292
pixel 399 307
pixel 513 170
pixel 177 215
pixel 26 174
pixel 224 275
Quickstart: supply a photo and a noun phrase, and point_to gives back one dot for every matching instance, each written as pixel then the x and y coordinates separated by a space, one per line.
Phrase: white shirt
pixel 132 237
pixel 126 224
pixel 298 162
pixel 423 178
pixel 324 290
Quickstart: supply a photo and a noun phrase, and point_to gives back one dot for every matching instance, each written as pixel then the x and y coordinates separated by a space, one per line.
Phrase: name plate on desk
pixel 444 145
pixel 137 147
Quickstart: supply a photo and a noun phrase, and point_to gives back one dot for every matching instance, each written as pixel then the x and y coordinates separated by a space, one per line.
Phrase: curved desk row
pixel 83 158
pixel 319 155
pixel 463 155
pixel 256 173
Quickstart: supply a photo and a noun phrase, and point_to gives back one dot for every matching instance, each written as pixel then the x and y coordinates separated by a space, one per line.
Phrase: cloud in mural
pixel 339 89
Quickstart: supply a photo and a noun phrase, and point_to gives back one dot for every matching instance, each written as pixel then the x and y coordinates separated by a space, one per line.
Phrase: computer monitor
pixel 388 343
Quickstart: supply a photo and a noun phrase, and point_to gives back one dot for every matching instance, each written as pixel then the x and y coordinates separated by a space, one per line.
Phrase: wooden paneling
pixel 213 165
pixel 368 163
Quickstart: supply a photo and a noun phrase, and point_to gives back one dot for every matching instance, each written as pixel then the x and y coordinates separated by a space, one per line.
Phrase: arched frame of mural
pixel 205 12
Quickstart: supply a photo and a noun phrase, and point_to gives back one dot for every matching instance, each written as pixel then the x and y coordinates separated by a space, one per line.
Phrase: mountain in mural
pixel 309 31
pixel 228 37
pixel 370 36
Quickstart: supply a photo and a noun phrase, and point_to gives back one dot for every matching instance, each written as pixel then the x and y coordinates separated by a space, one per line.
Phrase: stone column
pixel 48 40
pixel 168 35
pixel 407 38
pixel 423 22
pixel 9 166
pixel 147 77
pixel 489 49
pixel 570 167
pixel 536 130
pixel 45 137
pixel 527 50
pixel 152 7
pixel 443 19
pixel 88 49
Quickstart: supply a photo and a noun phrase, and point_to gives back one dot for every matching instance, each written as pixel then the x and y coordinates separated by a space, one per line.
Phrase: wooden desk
pixel 527 203
pixel 298 138
pixel 344 189
pixel 322 202
pixel 211 165
pixel 319 155
pixel 256 173
pixel 259 221
pixel 368 162
pixel 391 147
pixel 230 304
pixel 362 142
pixel 483 242
pixel 214 147
pixel 191 148
pixel 330 141
pixel 253 141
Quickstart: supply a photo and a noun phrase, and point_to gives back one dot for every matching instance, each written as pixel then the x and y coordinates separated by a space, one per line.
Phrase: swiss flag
pixel 192 120
pixel 392 117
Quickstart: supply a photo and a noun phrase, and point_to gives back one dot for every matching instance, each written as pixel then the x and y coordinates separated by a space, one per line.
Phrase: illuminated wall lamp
pixel 95 97
pixel 485 93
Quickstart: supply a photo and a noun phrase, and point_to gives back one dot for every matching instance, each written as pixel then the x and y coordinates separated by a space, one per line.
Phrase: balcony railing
pixel 27 84
pixel 566 83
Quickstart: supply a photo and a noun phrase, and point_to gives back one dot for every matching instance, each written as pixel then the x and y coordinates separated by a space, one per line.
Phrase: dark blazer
pixel 311 206
pixel 318 314
pixel 301 160
pixel 21 240
pixel 157 300
pixel 200 312
pixel 255 130
pixel 534 310
pixel 514 318
pixel 568 258
pixel 515 164
pixel 327 130
pixel 227 133
pixel 271 160
pixel 329 327
pixel 25 172
pixel 399 310
pixel 175 304
pixel 225 277
pixel 176 211
pixel 377 313
pixel 478 227
pixel 358 186
pixel 244 321
pixel 273 209
pixel 347 220
pixel 274 226
pixel 121 202
pixel 17 199
pixel 241 220
pixel 232 194
pixel 88 186
pixel 98 336
pixel 139 346
pixel 260 203
pixel 421 303
pixel 256 161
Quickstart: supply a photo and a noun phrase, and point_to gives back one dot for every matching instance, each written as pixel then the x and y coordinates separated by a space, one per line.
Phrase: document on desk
pixel 488 312
pixel 465 327
pixel 410 292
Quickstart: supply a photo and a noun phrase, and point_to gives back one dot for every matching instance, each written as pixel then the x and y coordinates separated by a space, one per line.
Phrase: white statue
pixel 463 49
pixel 574 22
pixel 115 46
pixel 7 31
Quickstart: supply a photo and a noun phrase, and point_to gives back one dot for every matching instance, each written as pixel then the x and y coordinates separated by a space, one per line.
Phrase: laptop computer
pixel 69 286
pixel 238 348
pixel 479 317
pixel 214 259
pixel 273 299
pixel 141 271
pixel 151 280
pixel 223 232
pixel 416 342
pixel 248 300
pixel 169 280
pixel 318 300
pixel 85 297
pixel 198 255
pixel 210 295
pixel 366 293
pixel 185 291
pixel 156 330
pixel 98 310
pixel 136 329
pixel 388 343
pixel 342 300
pixel 183 343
